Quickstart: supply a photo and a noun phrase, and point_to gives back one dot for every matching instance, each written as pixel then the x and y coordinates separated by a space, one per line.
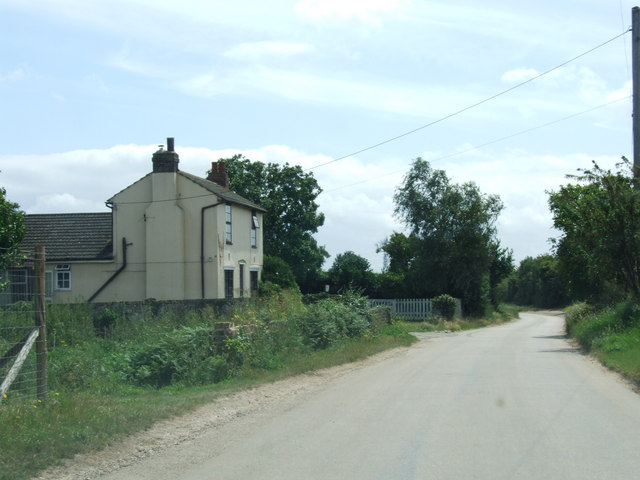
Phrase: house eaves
pixel 70 237
pixel 222 192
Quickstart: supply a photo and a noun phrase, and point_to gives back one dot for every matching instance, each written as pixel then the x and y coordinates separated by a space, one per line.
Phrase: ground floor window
pixel 228 284
pixel 241 280
pixel 63 277
pixel 254 281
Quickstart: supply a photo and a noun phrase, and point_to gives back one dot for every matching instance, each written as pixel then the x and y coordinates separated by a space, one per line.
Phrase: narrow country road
pixel 510 402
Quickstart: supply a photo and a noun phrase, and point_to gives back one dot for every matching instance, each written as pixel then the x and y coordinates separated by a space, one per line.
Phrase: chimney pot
pixel 166 161
pixel 218 174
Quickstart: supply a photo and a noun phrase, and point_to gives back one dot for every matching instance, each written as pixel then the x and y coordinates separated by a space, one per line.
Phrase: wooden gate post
pixel 41 344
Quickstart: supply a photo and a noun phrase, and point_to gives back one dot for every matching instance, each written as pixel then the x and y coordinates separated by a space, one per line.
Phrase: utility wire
pixel 501 139
pixel 465 109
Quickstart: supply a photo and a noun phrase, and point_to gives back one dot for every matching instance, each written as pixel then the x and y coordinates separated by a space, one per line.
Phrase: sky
pixel 510 95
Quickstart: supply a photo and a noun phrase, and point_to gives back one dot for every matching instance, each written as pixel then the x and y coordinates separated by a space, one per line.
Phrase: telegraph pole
pixel 635 54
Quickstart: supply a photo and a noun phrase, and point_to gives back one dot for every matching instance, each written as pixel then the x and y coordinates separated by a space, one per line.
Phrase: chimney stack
pixel 166 161
pixel 218 174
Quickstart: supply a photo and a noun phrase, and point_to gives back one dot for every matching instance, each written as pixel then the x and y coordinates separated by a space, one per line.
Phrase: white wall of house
pixel 170 243
pixel 84 279
pixel 164 255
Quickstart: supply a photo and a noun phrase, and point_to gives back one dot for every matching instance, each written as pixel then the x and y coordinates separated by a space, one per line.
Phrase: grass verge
pixel 505 313
pixel 35 435
pixel 611 334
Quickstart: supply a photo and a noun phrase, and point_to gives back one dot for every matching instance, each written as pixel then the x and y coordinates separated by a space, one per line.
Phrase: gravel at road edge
pixel 174 431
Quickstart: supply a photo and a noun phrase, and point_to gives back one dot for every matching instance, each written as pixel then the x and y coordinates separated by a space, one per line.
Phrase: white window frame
pixel 255 224
pixel 229 273
pixel 63 277
pixel 48 285
pixel 228 225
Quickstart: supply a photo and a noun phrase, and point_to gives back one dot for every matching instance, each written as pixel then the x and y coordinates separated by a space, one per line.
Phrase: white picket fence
pixel 410 307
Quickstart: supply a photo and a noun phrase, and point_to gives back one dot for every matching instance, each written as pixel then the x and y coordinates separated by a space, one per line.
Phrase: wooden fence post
pixel 40 305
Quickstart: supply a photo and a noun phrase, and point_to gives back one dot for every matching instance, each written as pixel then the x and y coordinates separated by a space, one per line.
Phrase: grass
pixel 611 334
pixel 504 313
pixel 95 406
pixel 93 401
pixel 621 352
pixel 35 435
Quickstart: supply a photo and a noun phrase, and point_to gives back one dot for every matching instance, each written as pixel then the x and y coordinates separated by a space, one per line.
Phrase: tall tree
pixel 500 267
pixel 289 196
pixel 350 270
pixel 399 250
pixel 455 229
pixel 11 230
pixel 537 283
pixel 599 220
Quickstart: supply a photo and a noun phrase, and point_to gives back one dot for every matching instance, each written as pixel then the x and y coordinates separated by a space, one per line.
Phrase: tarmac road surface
pixel 516 401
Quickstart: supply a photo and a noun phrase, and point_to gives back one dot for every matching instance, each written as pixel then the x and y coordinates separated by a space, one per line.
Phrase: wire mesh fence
pixel 22 340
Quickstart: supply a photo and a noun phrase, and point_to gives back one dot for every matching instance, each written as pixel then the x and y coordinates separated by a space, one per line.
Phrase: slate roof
pixel 222 192
pixel 213 187
pixel 70 237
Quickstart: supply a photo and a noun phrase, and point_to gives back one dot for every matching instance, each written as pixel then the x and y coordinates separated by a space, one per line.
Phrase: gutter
pixel 116 273
pixel 202 242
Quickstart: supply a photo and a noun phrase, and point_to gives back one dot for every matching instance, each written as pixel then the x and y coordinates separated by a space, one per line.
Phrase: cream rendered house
pixel 174 236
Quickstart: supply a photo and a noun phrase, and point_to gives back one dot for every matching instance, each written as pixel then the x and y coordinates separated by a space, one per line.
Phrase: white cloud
pixel 357 199
pixel 17 75
pixel 123 60
pixel 368 11
pixel 64 203
pixel 258 50
pixel 519 75
pixel 624 92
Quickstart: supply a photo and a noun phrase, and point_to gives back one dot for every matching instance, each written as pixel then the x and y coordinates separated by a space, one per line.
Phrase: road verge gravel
pixel 178 430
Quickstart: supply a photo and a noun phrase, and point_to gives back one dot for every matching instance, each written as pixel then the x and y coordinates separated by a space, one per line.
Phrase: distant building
pixel 169 236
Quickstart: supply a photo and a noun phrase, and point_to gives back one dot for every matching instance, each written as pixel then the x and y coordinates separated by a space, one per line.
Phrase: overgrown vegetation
pixel 537 283
pixel 113 373
pixel 612 334
pixel 440 323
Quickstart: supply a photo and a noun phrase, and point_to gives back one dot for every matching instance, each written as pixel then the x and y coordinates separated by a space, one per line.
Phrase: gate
pixel 413 308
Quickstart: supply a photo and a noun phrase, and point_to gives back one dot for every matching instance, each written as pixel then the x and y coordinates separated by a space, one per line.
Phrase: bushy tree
pixel 599 247
pixel 11 230
pixel 289 196
pixel 454 225
pixel 399 250
pixel 537 283
pixel 500 268
pixel 277 271
pixel 351 271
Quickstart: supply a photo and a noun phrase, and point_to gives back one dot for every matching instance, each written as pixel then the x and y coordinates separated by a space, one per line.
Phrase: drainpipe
pixel 202 243
pixel 117 272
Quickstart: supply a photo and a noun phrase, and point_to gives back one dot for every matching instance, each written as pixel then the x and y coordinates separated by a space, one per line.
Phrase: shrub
pixel 90 365
pixel 175 357
pixel 578 313
pixel 445 305
pixel 327 322
pixel 104 321
pixel 629 314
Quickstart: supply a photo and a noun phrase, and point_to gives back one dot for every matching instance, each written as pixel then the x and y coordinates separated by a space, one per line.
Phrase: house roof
pixel 213 187
pixel 222 192
pixel 70 237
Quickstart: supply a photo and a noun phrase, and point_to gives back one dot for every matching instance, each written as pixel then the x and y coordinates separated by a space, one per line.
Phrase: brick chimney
pixel 218 174
pixel 166 161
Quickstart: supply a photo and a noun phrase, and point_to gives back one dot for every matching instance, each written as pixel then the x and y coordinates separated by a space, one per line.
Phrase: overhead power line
pixel 497 140
pixel 465 109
